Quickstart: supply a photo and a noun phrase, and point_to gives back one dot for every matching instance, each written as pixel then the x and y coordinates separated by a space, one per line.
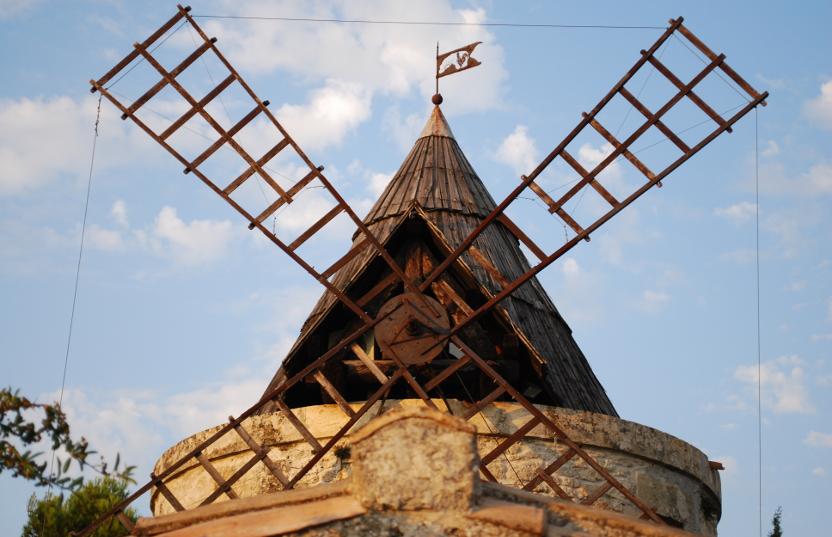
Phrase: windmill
pixel 434 300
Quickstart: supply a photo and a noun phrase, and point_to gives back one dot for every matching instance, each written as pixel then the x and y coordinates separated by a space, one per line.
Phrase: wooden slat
pixel 444 286
pixel 245 120
pixel 593 182
pixel 521 236
pixel 146 43
pixel 683 92
pixel 324 220
pixel 488 266
pixel 367 361
pixel 225 487
pixel 554 208
pixel 215 475
pixel 334 393
pixel 125 521
pixel 292 192
pixel 511 440
pixel 270 154
pixel 723 66
pixel 482 403
pixel 261 452
pixel 210 96
pixel 228 138
pixel 553 467
pixel 660 67
pixel 447 372
pixel 659 123
pixel 176 71
pixel 346 258
pixel 597 493
pixel 165 491
pixel 298 425
pixel 549 480
pixel 607 135
pixel 383 284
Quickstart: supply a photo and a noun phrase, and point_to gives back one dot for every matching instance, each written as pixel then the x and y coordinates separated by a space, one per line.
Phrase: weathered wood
pixel 165 491
pixel 324 220
pixel 659 123
pixel 210 96
pixel 222 484
pixel 607 135
pixel 660 67
pixel 583 173
pixel 261 452
pixel 270 154
pixel 141 101
pixel 368 362
pixel 298 425
pixel 334 393
pixel 596 494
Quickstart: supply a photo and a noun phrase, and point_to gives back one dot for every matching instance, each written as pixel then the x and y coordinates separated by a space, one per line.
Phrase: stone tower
pixel 404 469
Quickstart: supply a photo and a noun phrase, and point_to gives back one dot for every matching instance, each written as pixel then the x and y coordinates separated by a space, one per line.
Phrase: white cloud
pixel 100 238
pixel 821 337
pixel 771 149
pixel 378 182
pixel 331 112
pixel 570 267
pixel 819 178
pixel 817 439
pixel 738 212
pixel 119 213
pixel 819 471
pixel 819 109
pixel 43 140
pixel 404 130
pixel 783 384
pixel 518 150
pixel 653 301
pixel 189 243
pixel 385 59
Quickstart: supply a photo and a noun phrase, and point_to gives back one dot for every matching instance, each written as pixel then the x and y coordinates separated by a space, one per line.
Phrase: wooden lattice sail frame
pixel 313 372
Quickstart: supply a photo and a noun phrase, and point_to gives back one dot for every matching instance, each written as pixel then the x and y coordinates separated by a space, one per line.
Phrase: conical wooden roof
pixel 437 185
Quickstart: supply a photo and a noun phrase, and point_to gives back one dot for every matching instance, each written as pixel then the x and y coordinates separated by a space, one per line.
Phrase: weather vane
pixel 460 60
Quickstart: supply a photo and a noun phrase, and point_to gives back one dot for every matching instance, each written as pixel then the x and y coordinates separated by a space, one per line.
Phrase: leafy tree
pixel 57 516
pixel 24 424
pixel 776 530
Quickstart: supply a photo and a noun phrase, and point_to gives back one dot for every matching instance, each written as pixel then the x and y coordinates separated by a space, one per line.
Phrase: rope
pixel 433 23
pixel 75 288
pixel 759 346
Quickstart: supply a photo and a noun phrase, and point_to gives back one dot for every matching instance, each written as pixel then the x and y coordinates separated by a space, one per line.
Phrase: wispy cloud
pixel 738 213
pixel 653 301
pixel 783 383
pixel 817 439
pixel 819 109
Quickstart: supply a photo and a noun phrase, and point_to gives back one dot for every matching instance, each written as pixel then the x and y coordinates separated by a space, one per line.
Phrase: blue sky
pixel 183 315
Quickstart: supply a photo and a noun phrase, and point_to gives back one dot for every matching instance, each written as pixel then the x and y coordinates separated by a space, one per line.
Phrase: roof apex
pixel 437 125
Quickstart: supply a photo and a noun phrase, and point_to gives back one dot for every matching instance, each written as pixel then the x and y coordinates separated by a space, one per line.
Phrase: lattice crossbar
pixel 255 166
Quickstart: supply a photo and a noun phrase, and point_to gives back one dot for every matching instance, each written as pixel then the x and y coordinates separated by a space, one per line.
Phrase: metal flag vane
pixel 453 62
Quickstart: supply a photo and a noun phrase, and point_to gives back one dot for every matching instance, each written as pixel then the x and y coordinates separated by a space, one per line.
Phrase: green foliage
pixel 57 516
pixel 24 424
pixel 776 530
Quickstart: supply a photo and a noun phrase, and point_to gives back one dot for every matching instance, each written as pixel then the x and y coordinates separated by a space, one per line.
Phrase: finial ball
pixel 436 99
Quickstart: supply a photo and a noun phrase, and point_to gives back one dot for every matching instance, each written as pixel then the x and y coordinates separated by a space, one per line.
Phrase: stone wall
pixel 665 472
